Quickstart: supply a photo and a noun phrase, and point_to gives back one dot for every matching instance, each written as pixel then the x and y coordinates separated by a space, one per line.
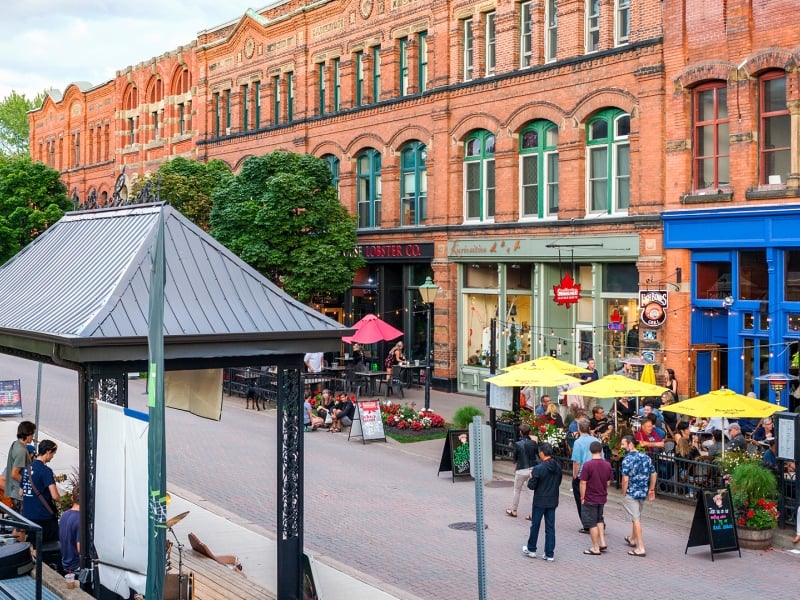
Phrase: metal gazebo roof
pixel 79 294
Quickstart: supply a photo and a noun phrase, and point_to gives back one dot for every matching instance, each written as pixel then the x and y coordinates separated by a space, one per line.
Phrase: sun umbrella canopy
pixel 541 377
pixel 724 403
pixel 614 386
pixel 371 329
pixel 548 362
pixel 648 375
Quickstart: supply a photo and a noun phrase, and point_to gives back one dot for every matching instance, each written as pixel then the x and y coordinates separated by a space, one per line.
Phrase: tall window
pixel 154 119
pixel 359 78
pixel 333 165
pixel 403 71
pixel 376 74
pixel 608 172
pixel 257 104
pixel 489 41
pixel 413 184
pixel 775 139
pixel 468 57
pixel 217 115
pixel 525 35
pixel 131 130
pixel 622 22
pixel 276 99
pixel 538 147
pixel 227 112
pixel 422 62
pixel 321 82
pixel 368 192
pixel 551 30
pixel 289 96
pixel 479 176
pixel 76 148
pixel 337 84
pixel 181 118
pixel 711 144
pixel 245 93
pixel 592 25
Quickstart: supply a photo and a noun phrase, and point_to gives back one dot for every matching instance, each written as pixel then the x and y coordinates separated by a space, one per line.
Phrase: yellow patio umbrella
pixel 648 374
pixel 724 403
pixel 614 386
pixel 548 362
pixel 532 376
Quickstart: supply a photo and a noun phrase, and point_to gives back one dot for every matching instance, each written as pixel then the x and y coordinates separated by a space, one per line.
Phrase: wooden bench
pixel 213 581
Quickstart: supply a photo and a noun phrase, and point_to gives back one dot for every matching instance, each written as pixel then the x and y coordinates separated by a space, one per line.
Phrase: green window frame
pixel 245 107
pixel 376 74
pixel 538 148
pixel 368 188
pixel 413 183
pixel 276 100
pixel 321 85
pixel 479 176
pixel 228 114
pixel 359 78
pixel 257 104
pixel 334 167
pixel 422 62
pixel 403 70
pixel 217 117
pixel 337 84
pixel 289 96
pixel 608 162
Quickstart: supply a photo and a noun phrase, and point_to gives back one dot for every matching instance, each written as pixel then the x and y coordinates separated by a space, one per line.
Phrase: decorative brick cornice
pixel 705 71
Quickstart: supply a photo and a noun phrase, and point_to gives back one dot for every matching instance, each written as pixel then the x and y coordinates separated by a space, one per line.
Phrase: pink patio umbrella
pixel 372 329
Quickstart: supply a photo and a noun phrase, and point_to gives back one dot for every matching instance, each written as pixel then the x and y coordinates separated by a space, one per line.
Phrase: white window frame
pixel 592 26
pixel 551 30
pixel 622 22
pixel 525 34
pixel 468 49
pixel 490 44
pixel 612 178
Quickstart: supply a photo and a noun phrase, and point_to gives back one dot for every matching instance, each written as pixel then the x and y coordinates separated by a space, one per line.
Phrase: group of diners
pixel 328 411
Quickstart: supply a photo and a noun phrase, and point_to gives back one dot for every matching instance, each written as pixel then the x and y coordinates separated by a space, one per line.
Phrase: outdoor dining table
pixel 407 370
pixel 372 377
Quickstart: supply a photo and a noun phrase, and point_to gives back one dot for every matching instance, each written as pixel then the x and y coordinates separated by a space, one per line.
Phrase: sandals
pixel 629 542
pixel 635 553
pixel 527 517
pixel 591 552
pixel 511 513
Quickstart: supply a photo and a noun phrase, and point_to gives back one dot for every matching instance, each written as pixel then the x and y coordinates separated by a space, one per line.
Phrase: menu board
pixel 10 397
pixel 367 422
pixel 786 435
pixel 714 522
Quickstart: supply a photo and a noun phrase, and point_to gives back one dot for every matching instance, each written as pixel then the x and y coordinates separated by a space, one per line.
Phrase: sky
pixel 52 43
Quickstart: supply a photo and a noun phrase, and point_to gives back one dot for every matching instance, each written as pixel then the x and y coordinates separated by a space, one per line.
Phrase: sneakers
pixel 547 558
pixel 528 553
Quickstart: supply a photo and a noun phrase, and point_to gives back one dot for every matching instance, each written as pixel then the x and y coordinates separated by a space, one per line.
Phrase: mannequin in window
pixel 632 340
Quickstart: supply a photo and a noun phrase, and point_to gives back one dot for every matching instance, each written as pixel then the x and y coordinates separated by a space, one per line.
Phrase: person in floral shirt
pixel 638 484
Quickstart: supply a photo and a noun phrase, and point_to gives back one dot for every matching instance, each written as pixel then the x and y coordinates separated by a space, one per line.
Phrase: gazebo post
pixel 290 484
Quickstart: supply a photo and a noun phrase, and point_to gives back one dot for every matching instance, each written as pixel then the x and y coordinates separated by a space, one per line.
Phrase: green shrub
pixel 463 416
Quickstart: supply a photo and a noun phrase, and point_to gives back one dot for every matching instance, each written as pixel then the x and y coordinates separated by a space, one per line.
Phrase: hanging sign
pixel 615 322
pixel 653 307
pixel 567 292
pixel 10 398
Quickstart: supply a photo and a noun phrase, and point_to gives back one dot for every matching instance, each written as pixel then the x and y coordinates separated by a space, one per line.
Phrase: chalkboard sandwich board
pixel 714 523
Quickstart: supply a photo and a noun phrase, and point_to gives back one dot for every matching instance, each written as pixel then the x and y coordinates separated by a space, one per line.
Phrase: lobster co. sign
pixel 653 306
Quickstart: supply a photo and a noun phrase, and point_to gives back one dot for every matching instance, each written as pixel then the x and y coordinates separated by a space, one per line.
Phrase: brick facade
pixel 268 67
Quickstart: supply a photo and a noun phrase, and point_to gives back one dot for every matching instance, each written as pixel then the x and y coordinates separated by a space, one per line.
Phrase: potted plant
pixel 754 490
pixel 463 416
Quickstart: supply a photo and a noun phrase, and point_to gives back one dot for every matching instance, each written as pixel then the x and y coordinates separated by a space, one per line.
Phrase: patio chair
pixel 393 384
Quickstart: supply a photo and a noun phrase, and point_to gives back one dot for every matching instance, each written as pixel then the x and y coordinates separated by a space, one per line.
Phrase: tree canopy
pixel 187 185
pixel 14 122
pixel 282 216
pixel 32 197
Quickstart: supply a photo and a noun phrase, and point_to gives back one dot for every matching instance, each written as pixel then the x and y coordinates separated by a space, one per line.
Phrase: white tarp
pixel 120 516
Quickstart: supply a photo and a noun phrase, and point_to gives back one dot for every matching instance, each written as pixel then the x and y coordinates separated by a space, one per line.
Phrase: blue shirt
pixel 32 506
pixel 637 466
pixel 69 536
pixel 580 451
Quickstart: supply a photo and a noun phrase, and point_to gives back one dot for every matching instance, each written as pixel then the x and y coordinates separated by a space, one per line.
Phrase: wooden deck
pixel 213 581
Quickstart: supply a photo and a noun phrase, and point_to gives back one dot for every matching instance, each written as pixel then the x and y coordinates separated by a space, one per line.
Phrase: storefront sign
pixel 615 321
pixel 653 307
pixel 567 292
pixel 396 252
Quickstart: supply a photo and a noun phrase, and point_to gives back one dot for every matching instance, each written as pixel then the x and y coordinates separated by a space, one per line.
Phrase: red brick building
pixel 496 146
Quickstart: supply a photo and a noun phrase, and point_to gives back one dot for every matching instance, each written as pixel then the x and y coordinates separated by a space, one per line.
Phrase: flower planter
pixel 754 539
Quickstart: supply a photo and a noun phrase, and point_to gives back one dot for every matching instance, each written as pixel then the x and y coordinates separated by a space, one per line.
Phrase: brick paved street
pixel 382 510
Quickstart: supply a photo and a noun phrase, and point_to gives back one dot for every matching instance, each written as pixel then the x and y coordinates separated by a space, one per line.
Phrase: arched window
pixel 538 167
pixel 368 191
pixel 333 165
pixel 131 98
pixel 479 176
pixel 608 162
pixel 711 145
pixel 775 140
pixel 413 184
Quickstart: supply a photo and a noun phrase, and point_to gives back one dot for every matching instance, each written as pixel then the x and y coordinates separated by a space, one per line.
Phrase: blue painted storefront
pixel 758 332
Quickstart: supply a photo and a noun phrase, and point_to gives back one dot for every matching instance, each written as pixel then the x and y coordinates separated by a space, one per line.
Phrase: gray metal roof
pixel 81 291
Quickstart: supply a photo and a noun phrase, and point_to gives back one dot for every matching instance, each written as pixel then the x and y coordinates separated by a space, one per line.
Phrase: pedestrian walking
pixel 545 482
pixel 580 455
pixel 525 456
pixel 638 485
pixel 17 461
pixel 596 476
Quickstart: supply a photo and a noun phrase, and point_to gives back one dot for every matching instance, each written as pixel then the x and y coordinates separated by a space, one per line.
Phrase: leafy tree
pixel 32 197
pixel 187 185
pixel 282 216
pixel 14 122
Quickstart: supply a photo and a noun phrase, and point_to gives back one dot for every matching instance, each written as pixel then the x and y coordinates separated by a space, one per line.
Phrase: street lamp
pixel 428 292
